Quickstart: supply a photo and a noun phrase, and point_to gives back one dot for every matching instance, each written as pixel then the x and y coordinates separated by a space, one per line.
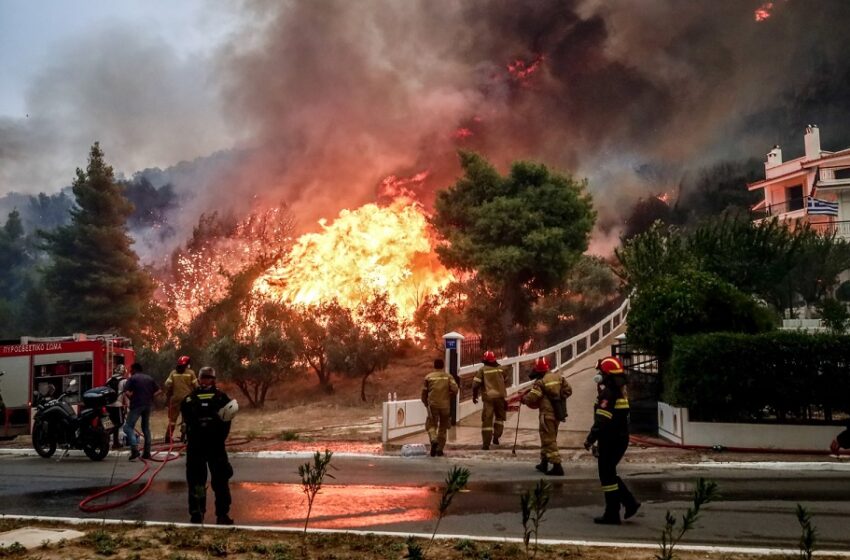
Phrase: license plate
pixel 107 423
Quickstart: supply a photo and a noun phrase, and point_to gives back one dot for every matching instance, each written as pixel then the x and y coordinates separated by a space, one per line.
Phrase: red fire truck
pixel 47 365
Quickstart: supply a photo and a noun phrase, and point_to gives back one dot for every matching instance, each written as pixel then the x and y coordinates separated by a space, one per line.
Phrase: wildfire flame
pixel 202 271
pixel 763 12
pixel 664 197
pixel 521 70
pixel 373 249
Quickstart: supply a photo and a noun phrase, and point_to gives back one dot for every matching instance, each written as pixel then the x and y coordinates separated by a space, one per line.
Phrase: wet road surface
pixel 400 495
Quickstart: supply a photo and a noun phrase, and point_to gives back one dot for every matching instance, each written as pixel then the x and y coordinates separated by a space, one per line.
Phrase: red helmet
pixel 183 361
pixel 489 356
pixel 610 366
pixel 541 365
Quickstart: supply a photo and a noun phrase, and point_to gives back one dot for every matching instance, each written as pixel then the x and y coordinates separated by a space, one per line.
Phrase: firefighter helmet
pixel 119 371
pixel 489 356
pixel 228 411
pixel 183 360
pixel 206 372
pixel 610 366
pixel 541 365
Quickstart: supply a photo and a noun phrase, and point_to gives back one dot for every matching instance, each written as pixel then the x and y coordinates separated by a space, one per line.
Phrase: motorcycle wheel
pixel 96 446
pixel 43 441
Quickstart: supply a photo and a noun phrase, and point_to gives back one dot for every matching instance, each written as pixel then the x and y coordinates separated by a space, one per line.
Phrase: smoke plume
pixel 324 99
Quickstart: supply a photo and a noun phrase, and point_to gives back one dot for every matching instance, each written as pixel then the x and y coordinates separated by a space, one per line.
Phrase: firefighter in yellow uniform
pixel 437 394
pixel 179 385
pixel 489 382
pixel 549 395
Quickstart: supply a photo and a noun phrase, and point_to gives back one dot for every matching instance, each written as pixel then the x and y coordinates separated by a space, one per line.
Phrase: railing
pixel 408 416
pixel 838 229
pixel 790 205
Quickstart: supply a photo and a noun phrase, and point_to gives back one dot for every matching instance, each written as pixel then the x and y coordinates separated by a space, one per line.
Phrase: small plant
pixel 705 492
pixel 414 549
pixel 834 315
pixel 251 435
pixel 466 546
pixel 534 504
pixel 312 477
pixel 809 533
pixel 455 482
pixel 286 435
pixel 102 542
pixel 14 549
pixel 218 547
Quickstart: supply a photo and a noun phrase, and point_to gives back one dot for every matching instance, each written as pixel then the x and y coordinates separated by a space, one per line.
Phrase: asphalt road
pixel 400 495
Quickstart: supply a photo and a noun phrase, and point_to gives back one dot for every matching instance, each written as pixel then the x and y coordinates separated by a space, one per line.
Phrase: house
pixel 813 188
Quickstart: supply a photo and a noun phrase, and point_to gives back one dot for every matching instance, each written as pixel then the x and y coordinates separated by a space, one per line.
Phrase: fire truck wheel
pixel 43 441
pixel 97 447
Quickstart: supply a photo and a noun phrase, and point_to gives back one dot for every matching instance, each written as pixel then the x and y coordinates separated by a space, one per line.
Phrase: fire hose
pixel 171 455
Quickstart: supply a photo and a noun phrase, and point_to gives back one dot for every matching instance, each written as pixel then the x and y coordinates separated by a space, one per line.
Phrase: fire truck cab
pixel 47 365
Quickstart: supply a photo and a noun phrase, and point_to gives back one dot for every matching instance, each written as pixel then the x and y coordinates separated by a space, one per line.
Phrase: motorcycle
pixel 56 423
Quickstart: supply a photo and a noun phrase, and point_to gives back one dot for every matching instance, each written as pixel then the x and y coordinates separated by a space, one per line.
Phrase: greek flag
pixel 818 207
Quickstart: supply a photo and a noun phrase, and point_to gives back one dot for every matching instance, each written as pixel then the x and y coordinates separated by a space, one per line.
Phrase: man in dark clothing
pixel 207 413
pixel 842 440
pixel 141 390
pixel 611 431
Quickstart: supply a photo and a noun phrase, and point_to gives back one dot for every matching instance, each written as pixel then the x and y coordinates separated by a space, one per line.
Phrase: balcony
pixel 779 209
pixel 838 229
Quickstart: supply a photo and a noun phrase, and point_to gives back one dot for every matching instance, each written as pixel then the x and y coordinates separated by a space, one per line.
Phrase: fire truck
pixel 47 365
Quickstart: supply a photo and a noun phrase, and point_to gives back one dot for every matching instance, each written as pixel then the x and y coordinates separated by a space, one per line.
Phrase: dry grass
pixel 134 542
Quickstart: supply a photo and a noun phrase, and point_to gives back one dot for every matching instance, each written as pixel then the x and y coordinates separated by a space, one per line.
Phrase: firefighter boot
pixel 630 504
pixel 543 466
pixel 612 509
pixel 435 447
pixel 557 470
pixel 223 520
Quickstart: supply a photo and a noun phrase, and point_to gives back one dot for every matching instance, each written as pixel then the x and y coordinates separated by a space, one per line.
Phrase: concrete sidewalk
pixel 467 434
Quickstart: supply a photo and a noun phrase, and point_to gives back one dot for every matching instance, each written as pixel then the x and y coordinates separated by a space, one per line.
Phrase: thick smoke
pixel 325 98
pixel 340 94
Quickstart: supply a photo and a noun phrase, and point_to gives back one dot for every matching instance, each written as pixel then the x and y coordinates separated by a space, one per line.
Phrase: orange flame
pixel 521 70
pixel 664 197
pixel 763 12
pixel 373 249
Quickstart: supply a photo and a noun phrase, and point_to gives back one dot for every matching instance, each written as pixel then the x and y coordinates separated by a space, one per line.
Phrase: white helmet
pixel 228 411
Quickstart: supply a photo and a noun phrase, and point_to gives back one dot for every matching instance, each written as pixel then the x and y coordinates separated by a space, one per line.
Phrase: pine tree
pixel 94 279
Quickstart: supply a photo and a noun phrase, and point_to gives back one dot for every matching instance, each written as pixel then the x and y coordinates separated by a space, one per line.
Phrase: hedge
pixel 780 376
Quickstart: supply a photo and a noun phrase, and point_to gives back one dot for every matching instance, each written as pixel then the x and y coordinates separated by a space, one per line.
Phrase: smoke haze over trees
pixel 314 103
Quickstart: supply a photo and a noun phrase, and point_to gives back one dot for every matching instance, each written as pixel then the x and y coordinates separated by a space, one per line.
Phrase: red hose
pixel 171 455
pixel 84 505
pixel 647 442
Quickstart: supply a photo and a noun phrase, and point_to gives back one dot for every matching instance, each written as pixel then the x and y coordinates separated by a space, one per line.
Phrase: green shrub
pixel 691 302
pixel 834 315
pixel 741 377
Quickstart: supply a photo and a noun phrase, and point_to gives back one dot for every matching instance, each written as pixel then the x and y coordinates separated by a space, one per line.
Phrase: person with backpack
pixel 118 408
pixel 548 394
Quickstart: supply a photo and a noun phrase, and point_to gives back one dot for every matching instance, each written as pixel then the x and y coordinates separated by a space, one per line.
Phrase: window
pixel 794 198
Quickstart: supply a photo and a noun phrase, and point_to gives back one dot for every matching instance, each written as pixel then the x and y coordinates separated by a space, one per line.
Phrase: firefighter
pixel 489 382
pixel 611 432
pixel 437 394
pixel 179 385
pixel 207 413
pixel 548 394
